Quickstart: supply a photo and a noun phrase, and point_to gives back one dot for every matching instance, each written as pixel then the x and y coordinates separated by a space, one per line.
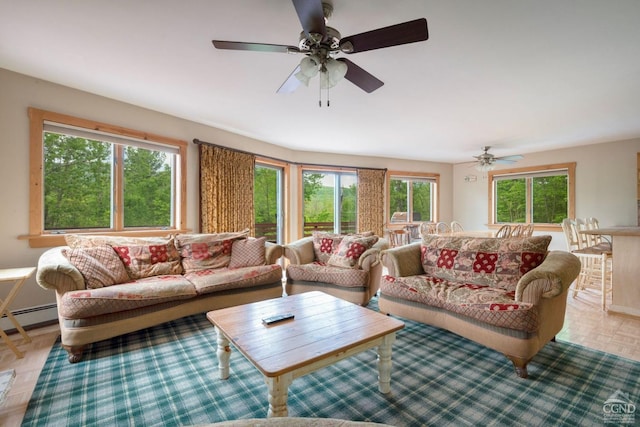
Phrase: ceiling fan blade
pixel 361 78
pixel 514 157
pixel 291 84
pixel 311 16
pixel 394 35
pixel 503 161
pixel 254 47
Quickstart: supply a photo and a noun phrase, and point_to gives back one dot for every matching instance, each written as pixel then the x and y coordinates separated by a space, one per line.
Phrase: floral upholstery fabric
pixel 150 259
pixel 494 306
pixel 100 265
pixel 127 296
pixel 204 251
pixel 214 280
pixel 320 272
pixel 350 249
pixel 89 241
pixel 493 262
pixel 326 244
pixel 247 252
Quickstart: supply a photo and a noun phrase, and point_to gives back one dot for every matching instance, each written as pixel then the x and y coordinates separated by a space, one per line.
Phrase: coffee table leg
pixel 278 391
pixel 384 363
pixel 224 353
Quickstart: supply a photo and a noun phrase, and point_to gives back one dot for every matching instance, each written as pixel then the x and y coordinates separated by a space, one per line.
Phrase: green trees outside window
pixel 542 199
pixel 79 184
pixel 330 201
pixel 410 199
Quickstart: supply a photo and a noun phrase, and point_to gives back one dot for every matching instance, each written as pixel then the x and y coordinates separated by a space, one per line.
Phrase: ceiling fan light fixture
pixel 332 72
pixel 485 167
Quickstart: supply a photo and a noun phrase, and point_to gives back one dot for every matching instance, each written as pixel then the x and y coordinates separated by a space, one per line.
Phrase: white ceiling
pixel 521 76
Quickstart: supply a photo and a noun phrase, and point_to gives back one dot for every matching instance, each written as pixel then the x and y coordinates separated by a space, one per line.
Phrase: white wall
pixel 18 92
pixel 606 185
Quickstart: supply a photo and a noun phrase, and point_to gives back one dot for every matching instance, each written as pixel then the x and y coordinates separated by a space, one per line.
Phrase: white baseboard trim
pixel 30 316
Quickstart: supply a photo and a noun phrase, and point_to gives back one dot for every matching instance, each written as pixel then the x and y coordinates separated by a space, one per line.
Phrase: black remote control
pixel 277 318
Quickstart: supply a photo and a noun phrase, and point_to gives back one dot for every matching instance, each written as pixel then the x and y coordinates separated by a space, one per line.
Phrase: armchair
pixel 345 266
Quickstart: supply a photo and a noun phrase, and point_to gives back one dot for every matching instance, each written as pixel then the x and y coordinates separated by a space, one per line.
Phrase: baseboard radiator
pixel 31 317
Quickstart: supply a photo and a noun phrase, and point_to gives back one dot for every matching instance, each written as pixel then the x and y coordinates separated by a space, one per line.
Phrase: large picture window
pixel 542 195
pixel 269 200
pixel 92 177
pixel 412 198
pixel 329 201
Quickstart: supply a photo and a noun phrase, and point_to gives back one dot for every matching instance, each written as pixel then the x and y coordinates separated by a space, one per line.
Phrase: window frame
pixel 435 196
pixel 37 236
pixel 532 172
pixel 322 169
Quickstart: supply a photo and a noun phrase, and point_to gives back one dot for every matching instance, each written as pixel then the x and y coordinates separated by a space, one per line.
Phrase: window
pixel 329 201
pixel 93 177
pixel 269 200
pixel 412 197
pixel 541 195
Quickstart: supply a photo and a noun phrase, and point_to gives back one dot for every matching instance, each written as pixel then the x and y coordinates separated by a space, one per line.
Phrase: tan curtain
pixel 371 200
pixel 226 190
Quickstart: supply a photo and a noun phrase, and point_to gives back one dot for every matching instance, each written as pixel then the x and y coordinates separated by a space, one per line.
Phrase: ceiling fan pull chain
pixel 320 93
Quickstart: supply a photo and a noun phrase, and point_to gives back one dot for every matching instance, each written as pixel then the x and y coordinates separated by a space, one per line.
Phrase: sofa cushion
pixel 205 251
pixel 100 266
pixel 248 252
pixel 319 272
pixel 126 296
pixel 220 279
pixel 495 262
pixel 489 305
pixel 150 259
pixel 350 249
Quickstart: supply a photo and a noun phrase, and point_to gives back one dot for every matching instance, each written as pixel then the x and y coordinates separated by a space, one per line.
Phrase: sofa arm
pixel 403 261
pixel 300 251
pixel 273 252
pixel 57 273
pixel 550 279
pixel 371 257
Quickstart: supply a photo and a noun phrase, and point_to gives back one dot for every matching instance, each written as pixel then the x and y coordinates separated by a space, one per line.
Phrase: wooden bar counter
pixel 625 294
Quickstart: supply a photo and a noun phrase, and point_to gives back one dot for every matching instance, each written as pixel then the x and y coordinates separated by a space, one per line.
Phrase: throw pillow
pixel 350 249
pixel 150 260
pixel 325 244
pixel 248 252
pixel 205 251
pixel 100 265
pixel 89 241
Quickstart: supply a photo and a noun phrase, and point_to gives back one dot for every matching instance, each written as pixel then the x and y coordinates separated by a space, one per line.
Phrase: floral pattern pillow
pixel 495 262
pixel 150 260
pixel 350 249
pixel 204 251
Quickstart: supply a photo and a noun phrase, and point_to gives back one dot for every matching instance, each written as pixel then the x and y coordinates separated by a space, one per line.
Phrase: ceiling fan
pixel 320 44
pixel 487 162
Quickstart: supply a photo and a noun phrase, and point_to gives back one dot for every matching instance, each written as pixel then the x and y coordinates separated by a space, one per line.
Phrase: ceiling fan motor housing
pixel 331 43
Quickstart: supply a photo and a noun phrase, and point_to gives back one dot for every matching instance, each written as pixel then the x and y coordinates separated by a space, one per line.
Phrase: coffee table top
pixel 323 326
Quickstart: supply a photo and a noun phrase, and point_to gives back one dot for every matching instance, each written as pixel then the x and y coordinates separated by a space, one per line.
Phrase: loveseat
pixel 345 266
pixel 107 286
pixel 508 294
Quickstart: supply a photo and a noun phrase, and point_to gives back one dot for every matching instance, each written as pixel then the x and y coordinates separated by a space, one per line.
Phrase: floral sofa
pixel 345 266
pixel 107 286
pixel 508 294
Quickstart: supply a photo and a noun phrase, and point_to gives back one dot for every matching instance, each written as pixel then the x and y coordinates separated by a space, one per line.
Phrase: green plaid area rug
pixel 167 376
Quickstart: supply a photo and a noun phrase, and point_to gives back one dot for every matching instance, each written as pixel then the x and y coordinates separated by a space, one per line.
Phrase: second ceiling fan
pixel 320 44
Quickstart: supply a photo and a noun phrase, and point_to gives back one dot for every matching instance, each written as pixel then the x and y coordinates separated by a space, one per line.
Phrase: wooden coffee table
pixel 325 330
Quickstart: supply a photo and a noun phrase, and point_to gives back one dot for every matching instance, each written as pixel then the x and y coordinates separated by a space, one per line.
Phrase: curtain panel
pixel 371 200
pixel 226 190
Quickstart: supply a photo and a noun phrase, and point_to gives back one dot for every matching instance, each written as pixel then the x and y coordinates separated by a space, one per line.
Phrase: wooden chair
pixel 527 230
pixel 427 228
pixel 516 231
pixel 398 237
pixel 504 231
pixel 595 259
pixel 442 228
pixel 456 226
pixel 414 232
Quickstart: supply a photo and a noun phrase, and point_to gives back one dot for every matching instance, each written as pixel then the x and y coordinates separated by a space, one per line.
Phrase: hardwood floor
pixel 586 324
